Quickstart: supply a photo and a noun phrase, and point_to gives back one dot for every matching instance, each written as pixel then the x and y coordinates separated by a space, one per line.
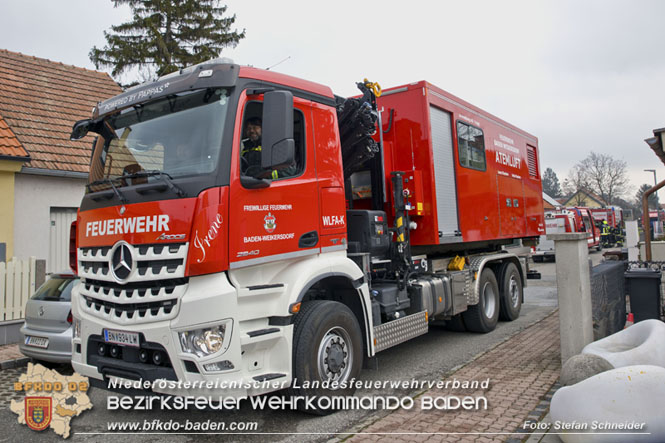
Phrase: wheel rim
pixel 335 355
pixel 489 300
pixel 514 291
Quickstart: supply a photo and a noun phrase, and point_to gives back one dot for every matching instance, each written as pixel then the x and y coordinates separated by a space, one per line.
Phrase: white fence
pixel 17 283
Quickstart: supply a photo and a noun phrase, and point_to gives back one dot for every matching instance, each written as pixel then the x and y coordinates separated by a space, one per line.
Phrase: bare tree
pixel 601 174
pixel 607 176
pixel 576 181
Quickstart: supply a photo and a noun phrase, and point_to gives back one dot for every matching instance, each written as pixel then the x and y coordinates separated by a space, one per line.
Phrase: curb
pixel 14 363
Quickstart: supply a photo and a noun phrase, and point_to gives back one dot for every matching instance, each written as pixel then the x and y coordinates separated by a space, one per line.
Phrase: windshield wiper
pixel 109 181
pixel 166 178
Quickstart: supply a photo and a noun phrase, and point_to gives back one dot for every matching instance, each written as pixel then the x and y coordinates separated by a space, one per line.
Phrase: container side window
pixel 471 146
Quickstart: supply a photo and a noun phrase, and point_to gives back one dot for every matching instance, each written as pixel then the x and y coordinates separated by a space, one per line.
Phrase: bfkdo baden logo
pixel 38 412
pixel 51 399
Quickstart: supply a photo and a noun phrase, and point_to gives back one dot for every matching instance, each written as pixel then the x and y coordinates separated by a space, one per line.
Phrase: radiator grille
pixel 151 292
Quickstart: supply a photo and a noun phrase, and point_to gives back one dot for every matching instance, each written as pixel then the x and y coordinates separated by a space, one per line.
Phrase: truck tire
pixel 511 291
pixel 484 316
pixel 327 346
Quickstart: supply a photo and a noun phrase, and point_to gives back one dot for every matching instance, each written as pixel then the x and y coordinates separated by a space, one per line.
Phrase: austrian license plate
pixel 39 342
pixel 121 337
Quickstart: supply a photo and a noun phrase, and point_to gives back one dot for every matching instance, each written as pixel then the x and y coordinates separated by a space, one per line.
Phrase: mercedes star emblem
pixel 121 261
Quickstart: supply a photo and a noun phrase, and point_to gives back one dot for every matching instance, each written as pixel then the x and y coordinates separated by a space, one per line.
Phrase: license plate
pixel 39 342
pixel 121 337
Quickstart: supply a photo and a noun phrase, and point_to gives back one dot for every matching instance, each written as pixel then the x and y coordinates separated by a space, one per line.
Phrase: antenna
pixel 278 63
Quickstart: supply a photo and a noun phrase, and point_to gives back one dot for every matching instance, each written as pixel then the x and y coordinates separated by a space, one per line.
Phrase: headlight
pixel 206 341
pixel 77 327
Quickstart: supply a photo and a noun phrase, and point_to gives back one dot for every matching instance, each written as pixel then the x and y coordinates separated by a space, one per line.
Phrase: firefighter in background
pixel 606 236
pixel 619 236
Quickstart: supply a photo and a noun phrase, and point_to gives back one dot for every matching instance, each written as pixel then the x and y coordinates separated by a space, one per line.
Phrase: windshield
pixel 179 135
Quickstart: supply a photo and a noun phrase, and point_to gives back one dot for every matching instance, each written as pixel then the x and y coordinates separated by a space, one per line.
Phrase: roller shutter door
pixel 444 173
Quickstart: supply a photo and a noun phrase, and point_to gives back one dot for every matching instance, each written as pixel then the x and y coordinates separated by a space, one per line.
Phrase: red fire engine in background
pixel 567 220
pixel 613 215
pixel 364 220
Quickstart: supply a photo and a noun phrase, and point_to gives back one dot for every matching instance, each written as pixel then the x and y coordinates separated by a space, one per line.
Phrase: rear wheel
pixel 511 291
pixel 484 316
pixel 327 348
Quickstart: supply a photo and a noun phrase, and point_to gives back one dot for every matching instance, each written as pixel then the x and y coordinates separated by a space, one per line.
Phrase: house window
pixel 471 146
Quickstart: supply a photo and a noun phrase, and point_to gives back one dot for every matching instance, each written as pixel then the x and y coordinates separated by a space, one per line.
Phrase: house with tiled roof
pixel 550 203
pixel 584 197
pixel 42 172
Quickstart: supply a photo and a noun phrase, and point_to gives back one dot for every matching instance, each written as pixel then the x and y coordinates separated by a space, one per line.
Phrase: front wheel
pixel 327 351
pixel 484 316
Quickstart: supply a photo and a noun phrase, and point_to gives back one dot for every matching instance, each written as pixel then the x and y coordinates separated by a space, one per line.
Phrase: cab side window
pixel 250 149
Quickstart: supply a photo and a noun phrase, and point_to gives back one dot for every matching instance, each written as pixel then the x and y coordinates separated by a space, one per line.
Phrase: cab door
pixel 278 222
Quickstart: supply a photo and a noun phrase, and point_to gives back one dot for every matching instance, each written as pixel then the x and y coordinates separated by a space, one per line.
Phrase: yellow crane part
pixel 456 264
pixel 375 87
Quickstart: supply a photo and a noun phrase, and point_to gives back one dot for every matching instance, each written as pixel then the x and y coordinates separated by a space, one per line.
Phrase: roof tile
pixel 39 102
pixel 9 144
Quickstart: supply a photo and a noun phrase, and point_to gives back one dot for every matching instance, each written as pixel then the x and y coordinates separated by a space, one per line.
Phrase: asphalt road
pixel 429 357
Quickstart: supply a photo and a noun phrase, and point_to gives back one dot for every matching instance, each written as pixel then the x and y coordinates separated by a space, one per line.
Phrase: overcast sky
pixel 579 75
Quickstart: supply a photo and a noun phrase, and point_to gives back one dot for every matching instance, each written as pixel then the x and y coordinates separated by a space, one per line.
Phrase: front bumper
pixel 258 355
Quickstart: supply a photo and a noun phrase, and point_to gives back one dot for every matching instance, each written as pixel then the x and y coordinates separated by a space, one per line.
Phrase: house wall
pixel 582 199
pixel 35 197
pixel 8 169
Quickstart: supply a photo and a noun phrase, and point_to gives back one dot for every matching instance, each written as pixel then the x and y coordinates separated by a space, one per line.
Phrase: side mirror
pixel 253 182
pixel 80 129
pixel 278 150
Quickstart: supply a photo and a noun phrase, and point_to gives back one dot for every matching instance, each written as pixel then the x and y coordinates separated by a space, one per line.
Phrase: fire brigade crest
pixel 270 223
pixel 38 412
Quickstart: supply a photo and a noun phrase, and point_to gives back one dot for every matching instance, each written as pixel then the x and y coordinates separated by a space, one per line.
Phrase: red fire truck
pixel 613 215
pixel 575 219
pixel 584 223
pixel 358 223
